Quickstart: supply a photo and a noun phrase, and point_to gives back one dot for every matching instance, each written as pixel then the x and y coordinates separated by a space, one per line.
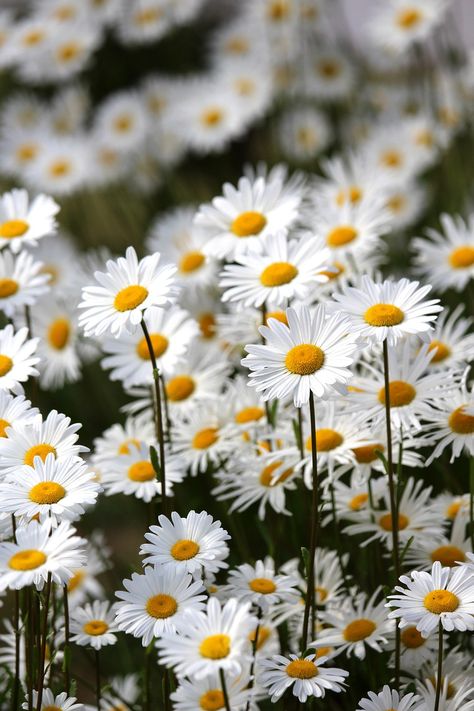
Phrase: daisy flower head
pixel 207 693
pixel 312 354
pixel 389 310
pixel 450 551
pixel 303 133
pixel 93 625
pixel 155 603
pixel 210 641
pixel 22 281
pixel 126 291
pixel 118 438
pixel 278 271
pixel 306 678
pixel 260 585
pixel 401 23
pixel 445 596
pixel 14 409
pixel 244 215
pixel 62 165
pixel 61 702
pixel 24 222
pixel 451 422
pixel 388 699
pixel 331 76
pixel 39 551
pixel 451 340
pixel 17 357
pixel 193 543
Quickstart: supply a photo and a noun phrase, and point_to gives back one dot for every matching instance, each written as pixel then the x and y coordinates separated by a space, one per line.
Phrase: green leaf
pixel 155 462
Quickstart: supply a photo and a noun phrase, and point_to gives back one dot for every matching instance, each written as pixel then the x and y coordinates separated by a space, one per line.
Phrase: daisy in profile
pixel 210 641
pixel 155 603
pixel 388 699
pixel 260 585
pixel 451 423
pixel 39 551
pixel 415 650
pixel 24 222
pixel 207 693
pixel 451 341
pixel 125 292
pixel 193 543
pixel 312 354
pixel 302 674
pixel 244 215
pixel 61 702
pixel 14 409
pixel 280 270
pixel 445 596
pixel 446 258
pixel 22 281
pixel 450 551
pixel 93 625
pixel 17 357
pixel 388 310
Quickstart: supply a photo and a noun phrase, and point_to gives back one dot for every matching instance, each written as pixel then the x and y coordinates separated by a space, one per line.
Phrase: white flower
pixel 388 699
pixel 446 596
pixel 155 603
pixel 303 132
pixel 17 358
pixel 260 585
pixel 207 693
pixel 127 289
pixel 307 679
pixel 93 625
pixel 14 409
pixel 22 222
pixel 399 24
pixel 22 281
pixel 61 702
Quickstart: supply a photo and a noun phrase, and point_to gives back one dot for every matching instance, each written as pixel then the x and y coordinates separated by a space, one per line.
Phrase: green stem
pixel 439 677
pixel 224 690
pixel 44 638
pixel 67 648
pixel 254 656
pixel 471 501
pixel 337 539
pixel 314 524
pixel 97 678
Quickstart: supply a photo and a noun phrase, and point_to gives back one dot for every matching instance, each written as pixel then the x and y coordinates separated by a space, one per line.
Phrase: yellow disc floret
pixel 184 549
pixel 304 359
pixel 278 274
pixel 27 560
pixel 439 601
pixel 161 606
pixel 248 224
pixel 130 297
pixel 47 492
pixel 216 646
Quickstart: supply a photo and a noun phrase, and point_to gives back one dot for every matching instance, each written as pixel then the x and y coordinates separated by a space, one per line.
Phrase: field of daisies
pixel 236 333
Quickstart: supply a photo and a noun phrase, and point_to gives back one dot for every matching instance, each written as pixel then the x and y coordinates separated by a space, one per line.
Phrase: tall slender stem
pixel 471 500
pixel 224 690
pixel 439 677
pixel 44 637
pixel 97 678
pixel 314 525
pixel 254 655
pixel 158 416
pixel 67 672
pixel 337 539
pixel 16 626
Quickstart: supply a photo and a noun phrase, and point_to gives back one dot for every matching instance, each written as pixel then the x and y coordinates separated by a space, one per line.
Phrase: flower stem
pixel 471 501
pixel 16 627
pixel 439 677
pixel 67 661
pixel 158 416
pixel 224 690
pixel 97 677
pixel 254 655
pixel 44 638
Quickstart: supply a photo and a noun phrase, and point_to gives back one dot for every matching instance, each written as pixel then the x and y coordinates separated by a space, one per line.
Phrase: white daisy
pixel 155 603
pixel 451 422
pixel 14 409
pixel 126 291
pixel 304 133
pixel 303 674
pixel 450 551
pixel 22 281
pixel 22 222
pixel 121 122
pixel 93 625
pixel 118 438
pixel 17 359
pixel 388 699
pixel 62 165
pixel 260 585
pixel 399 24
pixel 207 693
pixel 61 702
pixel 452 343
pixel 331 75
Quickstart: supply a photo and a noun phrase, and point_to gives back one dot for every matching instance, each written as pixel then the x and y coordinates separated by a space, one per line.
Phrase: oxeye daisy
pixel 445 596
pixel 388 700
pixel 193 543
pixel 155 603
pixel 415 650
pixel 84 584
pixel 388 310
pixel 451 341
pixel 450 551
pixel 22 222
pixel 245 215
pixel 461 701
pixel 124 293
pixel 331 76
pixel 303 133
pixel 207 693
pixel 399 24
pixel 306 677
pixel 117 440
pixel 280 270
pixel 260 585
pixel 21 281
pixel 60 489
pixel 210 641
pixel 93 625
pixel 39 551
pixel 311 354
pixel 14 409
pixel 17 359
pixel 451 422
pixel 59 702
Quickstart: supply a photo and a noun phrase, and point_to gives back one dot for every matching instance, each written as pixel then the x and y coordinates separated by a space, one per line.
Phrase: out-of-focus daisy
pixel 451 423
pixel 214 640
pixel 244 215
pixel 446 596
pixel 388 699
pixel 461 701
pixel 280 270
pixel 39 551
pixel 59 259
pixel 126 291
pixel 17 359
pixel 401 23
pixel 14 409
pixel 84 584
pixel 61 702
pixel 21 281
pixel 302 674
pixel 452 343
pixel 304 133
pixel 62 165
pixel 415 650
pixel 260 585
pixel 405 203
pixel 193 543
pixel 122 694
pixel 207 693
pixel 144 21
pixel 330 76
pixel 121 122
pixel 22 221
pixel 311 354
pixel 93 625
pixel 155 602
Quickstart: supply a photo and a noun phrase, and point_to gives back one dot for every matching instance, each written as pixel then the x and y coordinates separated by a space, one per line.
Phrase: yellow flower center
pixel 391 159
pixel 304 359
pixel 3 426
pixel 184 549
pixel 216 646
pixel 69 51
pixel 306 137
pixel 321 594
pixel 141 471
pixel 327 439
pixel 263 635
pixel 278 315
pixel 408 18
pixel 161 606
pixel 52 708
pixel 94 628
pixel 123 123
pixel 13 228
pixel 6 364
pixel 352 194
pixel 277 274
pixel 383 315
pixel 180 388
pixel 401 393
pixel 191 261
pixel 76 580
pixel 248 224
pixel 237 45
pixel 38 450
pixel 358 501
pixel 439 601
pixel 339 236
pixel 8 287
pixel 147 16
pixel 329 69
pixel 262 585
pixel 411 638
pixel 212 117
pixel 339 269
pixel 125 446
pixel 205 438
pixel 266 475
pixel 249 414
pixel 58 333
pixel 302 669
pixel 47 492
pixel 442 351
pixel 386 522
pixel 26 152
pixel 207 325
pixel 462 257
pixel 396 203
pixel 448 556
pixel 460 422
pixel 27 560
pixel 358 630
pixel 59 168
pixel 453 509
pixel 368 453
pixel 424 138
pixel 130 297
pixel 32 38
pixel 212 700
pixel 159 344
pixel 278 9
